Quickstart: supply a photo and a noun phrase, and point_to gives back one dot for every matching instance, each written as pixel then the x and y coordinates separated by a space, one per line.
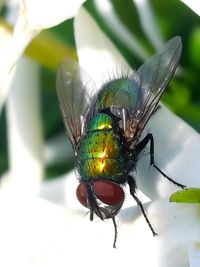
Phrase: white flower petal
pixel 14 49
pixel 177 226
pixel 113 22
pixel 5 37
pixel 148 22
pixel 94 49
pixel 58 150
pixel 193 4
pixel 194 254
pixel 62 191
pixel 45 14
pixel 177 145
pixel 12 52
pixel 24 128
pixel 44 234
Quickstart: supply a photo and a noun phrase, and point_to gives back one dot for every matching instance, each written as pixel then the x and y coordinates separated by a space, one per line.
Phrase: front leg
pixel 132 186
pixel 102 212
pixel 142 144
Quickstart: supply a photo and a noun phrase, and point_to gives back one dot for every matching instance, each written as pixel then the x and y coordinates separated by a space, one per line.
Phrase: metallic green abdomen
pixel 100 154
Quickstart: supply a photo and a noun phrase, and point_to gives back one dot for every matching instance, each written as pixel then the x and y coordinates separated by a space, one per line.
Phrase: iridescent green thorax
pixel 110 94
pixel 100 151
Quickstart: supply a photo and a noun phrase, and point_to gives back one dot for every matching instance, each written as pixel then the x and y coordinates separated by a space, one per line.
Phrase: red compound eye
pixel 108 192
pixel 81 193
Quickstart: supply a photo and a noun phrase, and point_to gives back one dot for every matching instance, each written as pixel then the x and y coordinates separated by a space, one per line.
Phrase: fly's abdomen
pixel 100 155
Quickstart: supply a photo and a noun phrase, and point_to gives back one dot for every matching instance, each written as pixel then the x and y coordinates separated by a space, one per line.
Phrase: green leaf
pixel 194 43
pixel 188 195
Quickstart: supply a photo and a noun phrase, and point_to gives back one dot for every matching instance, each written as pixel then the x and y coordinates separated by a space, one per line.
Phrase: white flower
pixel 177 148
pixel 45 14
pixel 35 232
pixel 39 233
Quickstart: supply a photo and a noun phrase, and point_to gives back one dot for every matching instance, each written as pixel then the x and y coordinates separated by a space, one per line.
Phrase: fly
pixel 105 127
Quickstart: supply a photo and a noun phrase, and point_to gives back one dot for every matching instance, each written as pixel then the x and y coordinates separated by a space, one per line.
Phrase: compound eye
pixel 81 193
pixel 108 192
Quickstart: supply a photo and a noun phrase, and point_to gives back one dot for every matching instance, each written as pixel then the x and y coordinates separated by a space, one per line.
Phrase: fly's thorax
pixel 110 95
pixel 100 150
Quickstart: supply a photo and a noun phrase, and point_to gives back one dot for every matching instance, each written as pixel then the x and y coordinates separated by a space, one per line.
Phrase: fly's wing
pixel 153 77
pixel 73 97
pixel 134 98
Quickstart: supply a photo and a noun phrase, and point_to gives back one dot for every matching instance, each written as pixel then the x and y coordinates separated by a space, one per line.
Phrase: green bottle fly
pixel 105 127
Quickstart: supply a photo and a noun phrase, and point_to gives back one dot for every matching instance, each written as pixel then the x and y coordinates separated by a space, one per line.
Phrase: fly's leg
pixel 142 144
pixel 156 109
pixel 92 203
pixel 115 228
pixel 102 212
pixel 132 187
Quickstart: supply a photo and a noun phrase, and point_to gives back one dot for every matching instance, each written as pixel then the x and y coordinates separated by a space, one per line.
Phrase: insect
pixel 105 126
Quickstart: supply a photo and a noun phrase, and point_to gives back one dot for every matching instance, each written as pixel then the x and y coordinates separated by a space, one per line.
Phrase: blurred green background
pixel 172 18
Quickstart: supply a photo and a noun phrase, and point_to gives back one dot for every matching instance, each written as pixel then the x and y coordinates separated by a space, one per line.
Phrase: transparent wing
pixel 153 76
pixel 74 97
pixel 133 98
